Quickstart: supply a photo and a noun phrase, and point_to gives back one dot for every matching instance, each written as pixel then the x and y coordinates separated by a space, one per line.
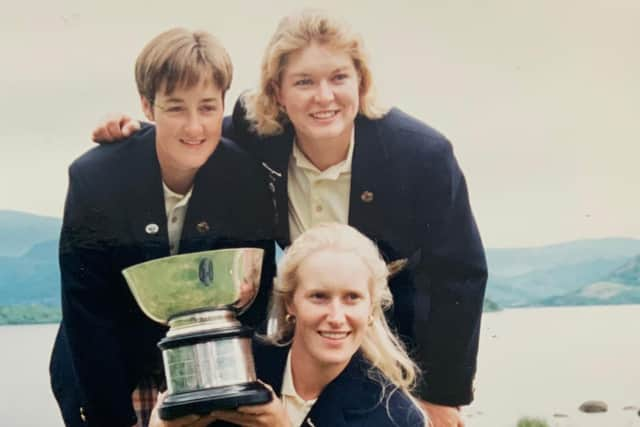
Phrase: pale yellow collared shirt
pixel 175 206
pixel 317 196
pixel 297 408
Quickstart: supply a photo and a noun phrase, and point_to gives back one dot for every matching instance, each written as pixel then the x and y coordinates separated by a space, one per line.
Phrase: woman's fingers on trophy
pixel 161 396
pixel 203 421
pixel 234 417
pixel 267 386
pixel 192 420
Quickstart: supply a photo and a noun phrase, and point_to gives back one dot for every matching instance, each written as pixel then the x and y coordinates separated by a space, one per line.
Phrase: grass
pixel 532 422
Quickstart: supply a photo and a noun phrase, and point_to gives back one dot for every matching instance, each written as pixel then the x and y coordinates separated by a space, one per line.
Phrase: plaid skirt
pixel 144 397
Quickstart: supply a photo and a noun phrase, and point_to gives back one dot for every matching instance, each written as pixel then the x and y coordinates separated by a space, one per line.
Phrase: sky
pixel 540 99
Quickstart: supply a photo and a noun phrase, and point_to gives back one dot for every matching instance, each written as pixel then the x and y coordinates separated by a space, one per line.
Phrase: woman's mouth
pixel 334 335
pixel 192 141
pixel 324 115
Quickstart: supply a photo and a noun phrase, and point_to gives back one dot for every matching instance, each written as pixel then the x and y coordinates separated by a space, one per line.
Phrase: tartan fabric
pixel 144 398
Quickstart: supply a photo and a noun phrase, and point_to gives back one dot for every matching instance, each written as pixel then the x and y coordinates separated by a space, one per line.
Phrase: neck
pixel 310 377
pixel 178 180
pixel 326 153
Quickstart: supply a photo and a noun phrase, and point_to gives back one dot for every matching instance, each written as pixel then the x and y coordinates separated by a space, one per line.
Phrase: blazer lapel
pixel 147 217
pixel 276 151
pixel 202 218
pixel 369 192
pixel 332 408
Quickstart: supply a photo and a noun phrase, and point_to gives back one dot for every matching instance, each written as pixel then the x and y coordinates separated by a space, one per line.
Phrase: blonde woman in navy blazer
pixel 331 344
pixel 407 192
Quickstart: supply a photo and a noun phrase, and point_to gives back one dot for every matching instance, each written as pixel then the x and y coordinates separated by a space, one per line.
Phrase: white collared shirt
pixel 175 206
pixel 317 196
pixel 297 408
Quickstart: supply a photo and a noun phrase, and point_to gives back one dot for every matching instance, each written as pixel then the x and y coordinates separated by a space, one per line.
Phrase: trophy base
pixel 204 401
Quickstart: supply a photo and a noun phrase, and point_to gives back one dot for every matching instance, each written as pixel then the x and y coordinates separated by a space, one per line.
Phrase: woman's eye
pixel 303 82
pixel 341 76
pixel 174 109
pixel 353 296
pixel 208 108
pixel 318 296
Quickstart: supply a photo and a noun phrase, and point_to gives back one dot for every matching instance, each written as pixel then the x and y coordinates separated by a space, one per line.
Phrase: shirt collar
pixel 333 172
pixel 179 199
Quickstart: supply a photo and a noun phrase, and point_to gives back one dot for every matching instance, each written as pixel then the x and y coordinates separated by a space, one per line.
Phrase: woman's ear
pixel 147 108
pixel 275 87
pixel 289 308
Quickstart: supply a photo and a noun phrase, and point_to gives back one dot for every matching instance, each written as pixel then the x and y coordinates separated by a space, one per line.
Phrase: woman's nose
pixel 336 312
pixel 193 126
pixel 324 92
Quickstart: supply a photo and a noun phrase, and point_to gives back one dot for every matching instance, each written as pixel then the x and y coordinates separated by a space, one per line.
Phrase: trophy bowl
pixel 207 355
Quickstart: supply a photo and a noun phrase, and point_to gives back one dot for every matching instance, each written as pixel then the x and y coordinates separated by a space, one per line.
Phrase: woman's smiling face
pixel 332 305
pixel 319 90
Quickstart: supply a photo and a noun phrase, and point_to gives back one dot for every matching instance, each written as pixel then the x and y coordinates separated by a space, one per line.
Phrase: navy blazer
pixel 352 399
pixel 115 192
pixel 408 195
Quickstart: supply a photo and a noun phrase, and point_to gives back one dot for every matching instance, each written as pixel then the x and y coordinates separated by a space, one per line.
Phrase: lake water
pixel 532 362
pixel 543 361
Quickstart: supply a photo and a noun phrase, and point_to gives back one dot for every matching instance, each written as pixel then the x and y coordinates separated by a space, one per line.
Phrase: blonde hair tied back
pixel 380 346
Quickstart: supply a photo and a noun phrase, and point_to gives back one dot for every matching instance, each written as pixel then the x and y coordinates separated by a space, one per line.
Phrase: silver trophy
pixel 207 355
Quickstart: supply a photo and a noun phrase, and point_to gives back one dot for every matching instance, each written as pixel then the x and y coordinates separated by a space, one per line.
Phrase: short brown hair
pixel 294 33
pixel 181 57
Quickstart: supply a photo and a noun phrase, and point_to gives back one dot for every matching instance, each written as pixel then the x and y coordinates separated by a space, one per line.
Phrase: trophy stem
pixel 202 320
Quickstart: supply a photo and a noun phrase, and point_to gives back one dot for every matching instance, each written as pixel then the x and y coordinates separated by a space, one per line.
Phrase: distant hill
pixel 19 231
pixel 32 278
pixel 531 276
pixel 583 272
pixel 490 305
pixel 621 286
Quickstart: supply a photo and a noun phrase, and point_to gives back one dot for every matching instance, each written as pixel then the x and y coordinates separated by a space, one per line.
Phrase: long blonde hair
pixel 295 32
pixel 380 346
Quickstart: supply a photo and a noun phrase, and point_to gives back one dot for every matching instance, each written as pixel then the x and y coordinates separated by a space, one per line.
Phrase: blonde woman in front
pixel 331 359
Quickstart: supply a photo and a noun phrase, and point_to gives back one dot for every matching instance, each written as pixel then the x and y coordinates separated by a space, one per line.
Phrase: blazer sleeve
pixel 449 284
pixel 238 128
pixel 91 316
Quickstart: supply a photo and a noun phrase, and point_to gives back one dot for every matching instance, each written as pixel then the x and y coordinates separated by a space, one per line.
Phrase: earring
pixel 290 318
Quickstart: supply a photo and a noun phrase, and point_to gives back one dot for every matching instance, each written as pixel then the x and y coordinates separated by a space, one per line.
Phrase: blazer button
pixel 151 228
pixel 202 227
pixel 366 196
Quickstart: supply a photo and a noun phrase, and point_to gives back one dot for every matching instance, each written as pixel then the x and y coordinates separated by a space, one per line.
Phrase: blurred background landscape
pixel 582 272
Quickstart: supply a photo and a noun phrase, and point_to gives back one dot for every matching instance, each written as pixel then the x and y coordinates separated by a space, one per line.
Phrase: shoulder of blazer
pixel 406 133
pixel 373 400
pixel 112 165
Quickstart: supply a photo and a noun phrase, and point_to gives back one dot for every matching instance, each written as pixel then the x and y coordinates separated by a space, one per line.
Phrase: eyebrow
pixel 305 74
pixel 179 100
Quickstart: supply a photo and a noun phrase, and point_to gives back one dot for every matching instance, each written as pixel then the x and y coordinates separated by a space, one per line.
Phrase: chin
pixel 321 134
pixel 334 357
